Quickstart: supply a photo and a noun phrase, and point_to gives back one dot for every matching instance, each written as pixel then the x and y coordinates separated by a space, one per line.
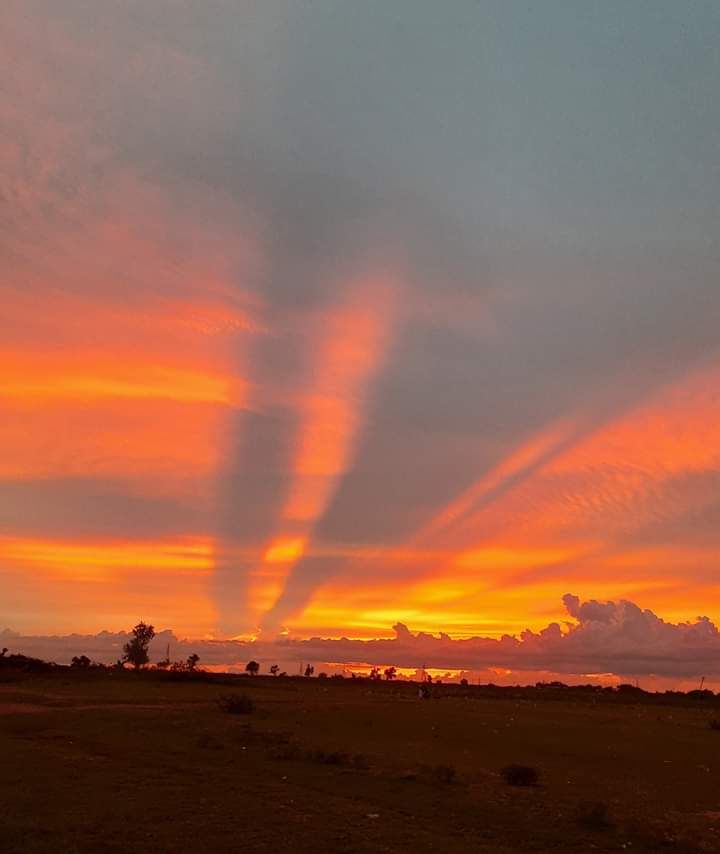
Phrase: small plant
pixel 360 761
pixel 444 774
pixel 714 723
pixel 331 757
pixel 520 775
pixel 286 752
pixel 593 815
pixel 236 704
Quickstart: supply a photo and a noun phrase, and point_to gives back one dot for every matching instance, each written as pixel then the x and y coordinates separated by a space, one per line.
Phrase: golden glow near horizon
pixel 549 504
pixel 331 415
pixel 460 585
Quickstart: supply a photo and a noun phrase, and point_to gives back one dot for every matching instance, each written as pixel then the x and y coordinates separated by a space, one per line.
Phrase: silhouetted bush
pixel 593 815
pixel 700 694
pixel 19 662
pixel 236 704
pixel 520 775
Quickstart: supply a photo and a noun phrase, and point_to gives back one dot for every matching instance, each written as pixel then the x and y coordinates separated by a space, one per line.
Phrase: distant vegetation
pixel 135 651
pixel 136 654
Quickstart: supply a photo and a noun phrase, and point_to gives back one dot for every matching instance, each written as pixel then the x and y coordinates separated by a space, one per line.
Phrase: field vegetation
pixel 118 760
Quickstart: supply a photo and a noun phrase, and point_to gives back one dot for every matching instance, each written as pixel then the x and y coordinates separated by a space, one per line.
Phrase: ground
pixel 139 762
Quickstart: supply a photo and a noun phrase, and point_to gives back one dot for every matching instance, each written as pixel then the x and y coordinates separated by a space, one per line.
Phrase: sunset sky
pixel 319 316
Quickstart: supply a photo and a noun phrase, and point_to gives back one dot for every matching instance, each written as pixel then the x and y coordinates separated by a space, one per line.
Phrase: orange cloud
pixel 68 586
pixel 332 412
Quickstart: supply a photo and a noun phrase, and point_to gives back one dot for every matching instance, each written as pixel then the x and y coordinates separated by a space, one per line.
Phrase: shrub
pixel 520 775
pixel 444 774
pixel 332 757
pixel 286 752
pixel 593 815
pixel 236 704
pixel 360 762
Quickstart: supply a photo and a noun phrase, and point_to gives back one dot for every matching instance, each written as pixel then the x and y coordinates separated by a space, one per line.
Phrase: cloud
pixel 192 198
pixel 610 638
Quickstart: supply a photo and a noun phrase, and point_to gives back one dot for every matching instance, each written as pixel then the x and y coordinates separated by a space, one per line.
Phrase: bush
pixel 593 815
pixel 333 757
pixel 444 774
pixel 520 775
pixel 286 752
pixel 236 704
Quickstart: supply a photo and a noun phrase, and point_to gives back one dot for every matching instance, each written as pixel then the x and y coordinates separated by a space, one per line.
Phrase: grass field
pixel 107 761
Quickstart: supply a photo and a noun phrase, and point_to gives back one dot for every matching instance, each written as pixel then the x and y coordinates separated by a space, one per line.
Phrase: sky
pixel 320 317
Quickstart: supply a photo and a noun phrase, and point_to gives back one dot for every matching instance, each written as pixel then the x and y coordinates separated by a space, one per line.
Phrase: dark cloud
pixel 82 508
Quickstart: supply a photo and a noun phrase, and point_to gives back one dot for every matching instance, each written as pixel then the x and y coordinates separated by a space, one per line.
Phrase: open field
pixel 108 761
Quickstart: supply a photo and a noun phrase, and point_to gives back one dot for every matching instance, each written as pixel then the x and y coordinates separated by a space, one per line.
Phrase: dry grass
pixel 132 763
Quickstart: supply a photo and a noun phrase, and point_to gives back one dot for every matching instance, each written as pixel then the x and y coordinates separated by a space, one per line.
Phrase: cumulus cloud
pixel 617 638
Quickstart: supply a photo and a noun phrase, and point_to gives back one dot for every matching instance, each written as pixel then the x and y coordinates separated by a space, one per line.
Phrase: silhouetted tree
pixel 274 669
pixel 309 670
pixel 192 662
pixel 135 651
pixel 390 673
pixel 375 673
pixel 464 683
pixel 80 662
pixel 4 652
pixel 252 668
